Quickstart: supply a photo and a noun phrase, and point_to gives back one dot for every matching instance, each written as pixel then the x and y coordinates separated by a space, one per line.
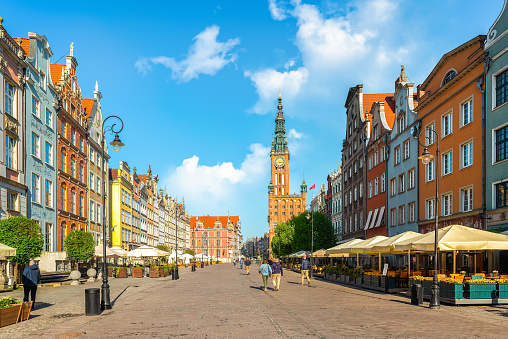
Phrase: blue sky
pixel 196 82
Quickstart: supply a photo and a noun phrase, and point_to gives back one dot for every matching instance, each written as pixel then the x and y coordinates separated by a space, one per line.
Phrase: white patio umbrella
pixel 187 257
pixel 118 250
pixel 109 253
pixel 143 252
pixel 201 257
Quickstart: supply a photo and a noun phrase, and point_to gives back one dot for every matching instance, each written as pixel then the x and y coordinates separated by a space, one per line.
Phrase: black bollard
pixel 173 275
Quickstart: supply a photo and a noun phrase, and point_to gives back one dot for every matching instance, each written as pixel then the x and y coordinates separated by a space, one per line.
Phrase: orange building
pixel 451 105
pixel 72 191
pixel 215 235
pixel 282 206
pixel 382 115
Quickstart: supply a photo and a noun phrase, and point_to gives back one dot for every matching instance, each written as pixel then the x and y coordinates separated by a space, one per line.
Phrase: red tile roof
pixel 56 72
pixel 113 173
pixel 24 43
pixel 87 106
pixel 209 221
pixel 369 99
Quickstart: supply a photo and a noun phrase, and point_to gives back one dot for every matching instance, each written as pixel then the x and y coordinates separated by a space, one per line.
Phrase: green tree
pixel 324 236
pixel 79 245
pixel 189 251
pixel 162 248
pixel 286 232
pixel 23 234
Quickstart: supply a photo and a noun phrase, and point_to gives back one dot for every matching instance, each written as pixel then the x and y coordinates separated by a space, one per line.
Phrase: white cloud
pixel 294 134
pixel 208 187
pixel 205 56
pixel 339 48
pixel 268 82
pixel 277 11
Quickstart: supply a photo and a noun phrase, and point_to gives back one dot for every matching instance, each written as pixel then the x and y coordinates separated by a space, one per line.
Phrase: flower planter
pixel 502 290
pixel 480 291
pixel 122 272
pixel 137 272
pixel 452 291
pixel 342 278
pixel 358 281
pixel 427 286
pixel 154 272
pixel 10 315
pixel 110 273
pixel 26 307
pixel 391 282
pixel 367 280
pixel 375 281
pixel 334 276
pixel 161 272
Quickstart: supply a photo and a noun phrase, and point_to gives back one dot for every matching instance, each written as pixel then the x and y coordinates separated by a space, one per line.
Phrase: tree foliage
pixel 296 234
pixel 189 251
pixel 23 234
pixel 79 245
pixel 162 248
pixel 286 232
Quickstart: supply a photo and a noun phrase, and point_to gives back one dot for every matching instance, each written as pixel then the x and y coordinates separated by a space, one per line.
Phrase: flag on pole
pixel 312 187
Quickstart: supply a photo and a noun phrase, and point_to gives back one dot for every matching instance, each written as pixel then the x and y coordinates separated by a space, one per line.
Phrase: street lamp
pixel 308 216
pixel 426 157
pixel 117 144
pixel 277 230
pixel 176 226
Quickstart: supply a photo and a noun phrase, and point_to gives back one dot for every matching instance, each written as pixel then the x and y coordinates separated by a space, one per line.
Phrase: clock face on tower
pixel 279 161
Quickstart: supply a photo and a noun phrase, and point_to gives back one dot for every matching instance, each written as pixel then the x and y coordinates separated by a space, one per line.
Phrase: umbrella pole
pixel 474 260
pixel 379 261
pixel 408 263
pixel 454 262
pixel 357 257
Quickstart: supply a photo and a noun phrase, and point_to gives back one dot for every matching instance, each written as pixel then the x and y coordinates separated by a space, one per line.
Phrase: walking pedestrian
pixel 305 269
pixel 241 263
pixel 247 265
pixel 265 270
pixel 234 262
pixel 277 274
pixel 30 279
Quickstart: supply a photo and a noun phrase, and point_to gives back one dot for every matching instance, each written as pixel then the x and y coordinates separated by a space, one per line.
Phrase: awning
pixel 368 220
pixel 380 218
pixel 374 218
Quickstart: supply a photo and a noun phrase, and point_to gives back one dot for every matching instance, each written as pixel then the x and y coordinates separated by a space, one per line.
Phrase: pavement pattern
pixel 221 301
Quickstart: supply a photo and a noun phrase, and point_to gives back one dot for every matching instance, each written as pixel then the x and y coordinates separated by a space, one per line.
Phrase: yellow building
pixel 120 204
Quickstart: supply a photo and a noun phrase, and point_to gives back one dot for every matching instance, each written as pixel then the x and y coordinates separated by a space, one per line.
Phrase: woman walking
pixel 265 270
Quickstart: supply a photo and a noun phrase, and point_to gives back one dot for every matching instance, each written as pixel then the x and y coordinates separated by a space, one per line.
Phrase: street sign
pixel 385 270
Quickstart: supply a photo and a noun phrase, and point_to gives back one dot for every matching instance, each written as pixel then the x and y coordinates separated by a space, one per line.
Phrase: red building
pixel 72 190
pixel 215 235
pixel 382 115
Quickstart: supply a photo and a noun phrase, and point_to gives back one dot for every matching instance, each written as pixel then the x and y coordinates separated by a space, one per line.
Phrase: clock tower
pixel 281 205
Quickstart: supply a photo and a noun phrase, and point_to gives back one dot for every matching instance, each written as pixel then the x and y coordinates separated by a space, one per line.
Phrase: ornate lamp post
pixel 426 157
pixel 308 216
pixel 176 226
pixel 117 144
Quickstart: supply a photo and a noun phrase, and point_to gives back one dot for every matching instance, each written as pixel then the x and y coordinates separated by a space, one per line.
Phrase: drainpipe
pixel 479 83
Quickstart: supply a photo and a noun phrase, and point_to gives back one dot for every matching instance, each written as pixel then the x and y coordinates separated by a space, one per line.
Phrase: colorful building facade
pixel 120 188
pixel 217 236
pixel 401 185
pixel 452 107
pixel 41 97
pixel 496 128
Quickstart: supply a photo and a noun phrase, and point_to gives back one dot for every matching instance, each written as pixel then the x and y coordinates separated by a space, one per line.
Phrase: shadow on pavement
pixel 261 288
pixel 118 296
pixel 39 305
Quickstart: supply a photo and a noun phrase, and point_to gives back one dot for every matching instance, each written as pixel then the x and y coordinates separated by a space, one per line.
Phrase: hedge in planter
pixel 502 290
pixel 10 310
pixel 480 289
pixel 451 288
pixel 391 282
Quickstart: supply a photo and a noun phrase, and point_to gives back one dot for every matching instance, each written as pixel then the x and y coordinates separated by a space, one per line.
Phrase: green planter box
pixel 452 291
pixel 376 281
pixel 427 286
pixel 502 290
pixel 480 291
pixel 367 280
pixel 391 282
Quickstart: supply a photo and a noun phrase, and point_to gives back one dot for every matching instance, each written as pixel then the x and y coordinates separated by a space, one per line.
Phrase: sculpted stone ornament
pixel 75 275
pixel 91 273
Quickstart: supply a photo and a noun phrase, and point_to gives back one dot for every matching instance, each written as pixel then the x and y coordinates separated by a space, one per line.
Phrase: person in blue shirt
pixel 30 279
pixel 265 270
pixel 305 269
pixel 277 273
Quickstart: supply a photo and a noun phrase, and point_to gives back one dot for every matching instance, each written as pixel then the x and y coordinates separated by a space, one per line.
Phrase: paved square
pixel 220 301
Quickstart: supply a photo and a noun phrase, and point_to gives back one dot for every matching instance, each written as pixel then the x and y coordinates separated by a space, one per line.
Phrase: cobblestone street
pixel 221 301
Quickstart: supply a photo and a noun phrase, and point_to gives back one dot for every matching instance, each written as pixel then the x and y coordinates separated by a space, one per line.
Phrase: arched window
pixel 448 76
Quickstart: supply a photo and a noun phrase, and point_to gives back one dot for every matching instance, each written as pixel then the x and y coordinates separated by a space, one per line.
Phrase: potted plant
pixel 121 272
pixel 137 271
pixel 502 288
pixel 26 307
pixel 10 310
pixel 154 271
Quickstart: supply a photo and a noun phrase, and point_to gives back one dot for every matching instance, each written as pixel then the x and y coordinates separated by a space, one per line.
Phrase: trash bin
pixel 92 301
pixel 416 294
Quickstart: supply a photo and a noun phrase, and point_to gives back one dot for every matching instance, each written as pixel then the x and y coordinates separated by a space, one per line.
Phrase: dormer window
pixel 449 76
pixel 402 123
pixel 375 132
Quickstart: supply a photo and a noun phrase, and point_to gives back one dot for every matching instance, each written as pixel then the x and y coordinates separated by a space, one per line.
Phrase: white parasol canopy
pixel 143 252
pixel 109 253
pixel 120 251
